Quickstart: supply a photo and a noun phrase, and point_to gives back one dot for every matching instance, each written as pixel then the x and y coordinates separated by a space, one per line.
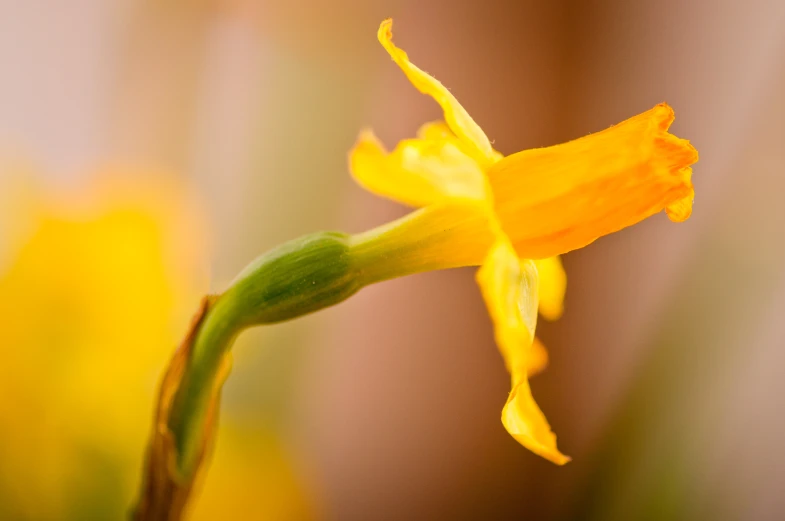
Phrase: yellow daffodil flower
pixel 535 204
pixel 510 215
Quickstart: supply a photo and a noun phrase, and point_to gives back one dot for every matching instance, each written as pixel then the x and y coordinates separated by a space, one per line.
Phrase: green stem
pixel 297 278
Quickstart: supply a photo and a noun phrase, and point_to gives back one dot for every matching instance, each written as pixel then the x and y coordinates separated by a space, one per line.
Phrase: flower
pixel 514 215
pixel 511 215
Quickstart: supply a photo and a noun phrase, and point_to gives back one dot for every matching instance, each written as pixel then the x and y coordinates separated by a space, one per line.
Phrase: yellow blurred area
pixel 91 299
pixel 95 291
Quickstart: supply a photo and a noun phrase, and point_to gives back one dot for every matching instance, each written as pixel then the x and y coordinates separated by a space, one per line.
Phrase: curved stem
pixel 297 278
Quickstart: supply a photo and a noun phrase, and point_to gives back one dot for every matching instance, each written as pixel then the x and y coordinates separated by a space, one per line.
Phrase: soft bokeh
pixel 149 150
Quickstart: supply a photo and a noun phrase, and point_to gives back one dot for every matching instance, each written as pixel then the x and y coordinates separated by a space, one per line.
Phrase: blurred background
pixel 150 149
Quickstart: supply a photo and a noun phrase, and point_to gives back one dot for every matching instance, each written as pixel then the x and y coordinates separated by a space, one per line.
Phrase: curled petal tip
pixel 681 210
pixel 366 134
pixel 665 115
pixel 385 30
pixel 524 420
pixel 563 460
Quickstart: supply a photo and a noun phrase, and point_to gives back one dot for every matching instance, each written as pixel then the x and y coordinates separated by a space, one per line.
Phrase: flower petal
pixel 509 287
pixel 556 199
pixel 537 358
pixel 435 130
pixel 461 123
pixel 553 285
pixel 681 210
pixel 527 424
pixel 418 172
